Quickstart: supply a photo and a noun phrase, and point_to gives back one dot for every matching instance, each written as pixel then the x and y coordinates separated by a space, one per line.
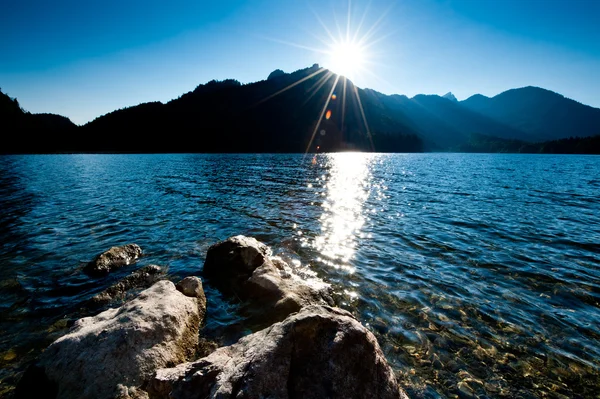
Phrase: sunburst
pixel 346 58
pixel 346 54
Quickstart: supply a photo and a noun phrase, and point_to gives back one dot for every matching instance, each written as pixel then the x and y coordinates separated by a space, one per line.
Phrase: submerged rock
pixel 112 259
pixel 139 279
pixel 108 355
pixel 319 352
pixel 242 267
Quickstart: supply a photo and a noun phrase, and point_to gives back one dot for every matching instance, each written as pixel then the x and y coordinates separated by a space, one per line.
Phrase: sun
pixel 346 58
pixel 350 45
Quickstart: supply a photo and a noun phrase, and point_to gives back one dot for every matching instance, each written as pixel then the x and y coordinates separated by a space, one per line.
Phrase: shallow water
pixel 478 273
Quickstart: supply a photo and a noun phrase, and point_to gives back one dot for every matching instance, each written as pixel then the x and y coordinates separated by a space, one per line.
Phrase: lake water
pixel 478 273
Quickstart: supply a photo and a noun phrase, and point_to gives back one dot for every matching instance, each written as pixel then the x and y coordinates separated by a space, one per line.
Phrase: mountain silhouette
pixel 285 113
pixel 539 114
pixel 441 122
pixel 33 133
pixel 313 109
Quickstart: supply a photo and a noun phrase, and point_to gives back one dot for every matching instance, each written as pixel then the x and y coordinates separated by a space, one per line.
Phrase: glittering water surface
pixel 479 274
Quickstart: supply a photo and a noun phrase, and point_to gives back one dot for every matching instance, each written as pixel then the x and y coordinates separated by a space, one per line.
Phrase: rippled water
pixel 479 274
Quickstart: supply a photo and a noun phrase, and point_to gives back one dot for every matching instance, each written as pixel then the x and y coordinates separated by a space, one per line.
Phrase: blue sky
pixel 83 59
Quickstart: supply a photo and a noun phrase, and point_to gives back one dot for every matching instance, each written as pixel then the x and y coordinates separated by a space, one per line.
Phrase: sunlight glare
pixel 346 58
pixel 348 187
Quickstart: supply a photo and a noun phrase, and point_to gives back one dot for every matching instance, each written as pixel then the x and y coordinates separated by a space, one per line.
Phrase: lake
pixel 478 273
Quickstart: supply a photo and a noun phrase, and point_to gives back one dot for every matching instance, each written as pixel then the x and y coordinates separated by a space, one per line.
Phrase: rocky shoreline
pixel 152 346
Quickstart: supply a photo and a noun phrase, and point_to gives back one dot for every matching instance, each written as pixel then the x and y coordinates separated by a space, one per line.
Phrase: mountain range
pixel 313 109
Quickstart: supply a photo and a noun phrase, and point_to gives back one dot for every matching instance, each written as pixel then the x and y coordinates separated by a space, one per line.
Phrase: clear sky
pixel 83 59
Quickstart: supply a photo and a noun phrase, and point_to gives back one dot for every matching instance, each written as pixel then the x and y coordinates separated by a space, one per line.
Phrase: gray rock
pixel 192 286
pixel 275 286
pixel 139 279
pixel 242 267
pixel 112 259
pixel 110 354
pixel 320 352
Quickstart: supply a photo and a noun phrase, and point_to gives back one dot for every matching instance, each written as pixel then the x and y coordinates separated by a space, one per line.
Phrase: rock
pixel 192 286
pixel 320 352
pixel 230 263
pixel 124 392
pixel 112 259
pixel 122 346
pixel 139 279
pixel 242 267
pixel 206 347
pixel 283 291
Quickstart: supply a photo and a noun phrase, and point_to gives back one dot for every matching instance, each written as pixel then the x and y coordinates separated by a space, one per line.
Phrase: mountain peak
pixel 450 96
pixel 275 74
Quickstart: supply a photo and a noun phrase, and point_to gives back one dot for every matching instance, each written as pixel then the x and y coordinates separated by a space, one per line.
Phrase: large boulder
pixel 230 263
pixel 139 279
pixel 106 355
pixel 112 259
pixel 242 267
pixel 320 352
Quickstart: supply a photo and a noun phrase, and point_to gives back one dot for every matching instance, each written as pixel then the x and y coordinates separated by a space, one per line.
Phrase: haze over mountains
pixel 287 113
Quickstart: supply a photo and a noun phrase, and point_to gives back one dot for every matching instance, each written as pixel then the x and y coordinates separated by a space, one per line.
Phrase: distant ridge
pixel 539 113
pixel 281 114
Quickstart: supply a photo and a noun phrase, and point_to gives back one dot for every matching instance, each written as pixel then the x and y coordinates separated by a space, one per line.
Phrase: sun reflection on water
pixel 347 187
